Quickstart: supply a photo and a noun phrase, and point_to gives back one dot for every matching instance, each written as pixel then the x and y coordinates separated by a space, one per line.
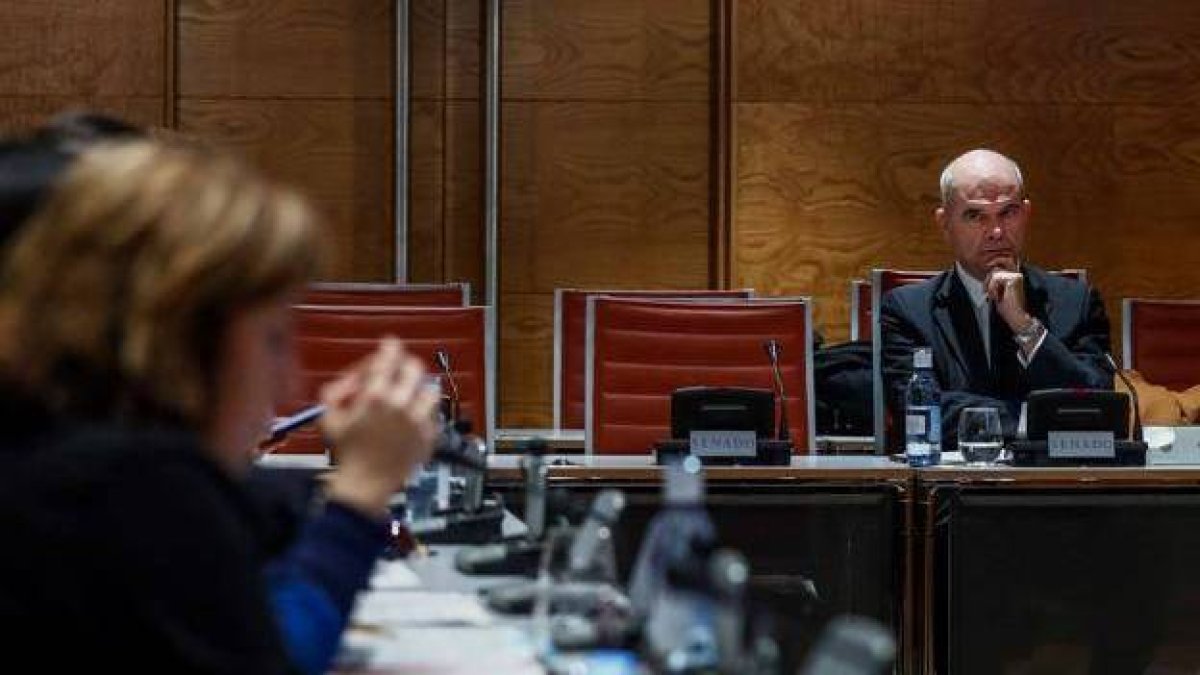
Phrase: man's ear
pixel 943 222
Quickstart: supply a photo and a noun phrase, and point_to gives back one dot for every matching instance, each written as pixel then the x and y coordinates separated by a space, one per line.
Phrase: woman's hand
pixel 380 418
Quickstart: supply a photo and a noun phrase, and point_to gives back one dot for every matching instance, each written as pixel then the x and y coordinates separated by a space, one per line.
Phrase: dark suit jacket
pixel 937 313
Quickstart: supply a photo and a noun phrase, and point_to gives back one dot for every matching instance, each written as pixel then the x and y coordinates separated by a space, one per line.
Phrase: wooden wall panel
pixel 82 50
pixel 338 152
pixel 303 88
pixel 445 218
pixel 426 199
pixel 312 48
pixel 463 42
pixel 606 194
pixel 605 166
pixel 527 348
pixel 463 197
pixel 613 50
pixel 20 113
pixel 845 113
pixel 57 55
pixel 1070 51
pixel 427 50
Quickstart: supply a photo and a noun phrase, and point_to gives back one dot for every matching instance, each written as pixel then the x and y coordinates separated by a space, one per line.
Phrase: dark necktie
pixel 1007 372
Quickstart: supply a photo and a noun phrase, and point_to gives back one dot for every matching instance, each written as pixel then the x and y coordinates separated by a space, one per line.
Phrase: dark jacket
pixel 130 549
pixel 937 313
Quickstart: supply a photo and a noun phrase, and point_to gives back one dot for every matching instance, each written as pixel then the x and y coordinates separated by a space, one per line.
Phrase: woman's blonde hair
pixel 116 297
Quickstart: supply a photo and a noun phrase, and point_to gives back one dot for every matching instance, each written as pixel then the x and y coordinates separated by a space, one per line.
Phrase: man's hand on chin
pixel 1006 289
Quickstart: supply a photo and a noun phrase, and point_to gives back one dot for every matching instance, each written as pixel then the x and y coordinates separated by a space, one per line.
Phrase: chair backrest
pixel 641 351
pixel 570 335
pixel 862 297
pixel 1161 340
pixel 860 309
pixel 392 295
pixel 882 281
pixel 331 338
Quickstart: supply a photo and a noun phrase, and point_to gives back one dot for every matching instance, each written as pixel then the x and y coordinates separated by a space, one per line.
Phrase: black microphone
pixel 441 358
pixel 773 350
pixel 1133 397
pixel 449 448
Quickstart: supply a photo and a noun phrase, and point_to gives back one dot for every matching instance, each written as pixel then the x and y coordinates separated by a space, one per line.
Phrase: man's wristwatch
pixel 1027 338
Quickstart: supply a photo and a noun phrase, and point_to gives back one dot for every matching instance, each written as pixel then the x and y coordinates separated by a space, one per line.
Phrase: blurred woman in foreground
pixel 145 333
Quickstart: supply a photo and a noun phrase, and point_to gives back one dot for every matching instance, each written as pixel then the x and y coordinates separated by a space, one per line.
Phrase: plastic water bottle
pixel 679 629
pixel 923 413
pixel 421 493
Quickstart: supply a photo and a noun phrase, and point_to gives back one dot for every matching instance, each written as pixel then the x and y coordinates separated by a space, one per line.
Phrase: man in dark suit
pixel 998 326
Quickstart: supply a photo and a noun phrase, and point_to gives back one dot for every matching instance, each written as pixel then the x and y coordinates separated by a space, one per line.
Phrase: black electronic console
pixel 1078 427
pixel 725 426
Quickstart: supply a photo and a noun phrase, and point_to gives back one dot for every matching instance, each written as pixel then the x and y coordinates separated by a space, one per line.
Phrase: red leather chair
pixel 640 351
pixel 332 338
pixel 570 326
pixel 882 281
pixel 391 295
pixel 1162 340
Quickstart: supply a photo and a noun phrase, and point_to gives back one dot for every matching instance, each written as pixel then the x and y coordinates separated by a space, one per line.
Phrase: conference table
pixel 975 570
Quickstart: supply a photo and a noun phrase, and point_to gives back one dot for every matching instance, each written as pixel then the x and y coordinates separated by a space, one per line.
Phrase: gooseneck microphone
pixel 451 446
pixel 1133 397
pixel 441 358
pixel 583 556
pixel 774 349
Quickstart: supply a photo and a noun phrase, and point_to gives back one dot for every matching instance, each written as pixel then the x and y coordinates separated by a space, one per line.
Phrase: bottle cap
pixel 923 358
pixel 684 484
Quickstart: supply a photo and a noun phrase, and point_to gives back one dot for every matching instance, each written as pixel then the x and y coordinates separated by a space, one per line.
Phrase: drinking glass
pixel 980 438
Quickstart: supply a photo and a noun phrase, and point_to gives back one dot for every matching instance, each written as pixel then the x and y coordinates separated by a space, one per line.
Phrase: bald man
pixel 999 327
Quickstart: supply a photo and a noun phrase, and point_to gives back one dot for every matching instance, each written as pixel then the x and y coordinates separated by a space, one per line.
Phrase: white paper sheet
pixel 408 609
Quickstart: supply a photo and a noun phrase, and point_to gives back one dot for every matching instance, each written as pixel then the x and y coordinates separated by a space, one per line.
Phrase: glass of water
pixel 980 438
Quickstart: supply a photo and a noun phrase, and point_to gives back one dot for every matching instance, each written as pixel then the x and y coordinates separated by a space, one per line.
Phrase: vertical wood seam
pixel 720 77
pixel 443 271
pixel 170 109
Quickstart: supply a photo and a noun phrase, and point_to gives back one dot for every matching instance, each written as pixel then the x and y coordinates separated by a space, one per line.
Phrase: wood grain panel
pixel 20 113
pixel 604 194
pixel 1071 51
pixel 427 50
pixel 826 192
pixel 82 50
pixel 527 339
pixel 612 50
pixel 1146 244
pixel 463 41
pixel 426 191
pixel 463 244
pixel 285 48
pixel 338 152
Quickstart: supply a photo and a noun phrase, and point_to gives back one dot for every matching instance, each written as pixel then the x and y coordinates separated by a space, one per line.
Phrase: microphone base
pixel 516 557
pixel 1035 453
pixel 766 453
pixel 463 527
